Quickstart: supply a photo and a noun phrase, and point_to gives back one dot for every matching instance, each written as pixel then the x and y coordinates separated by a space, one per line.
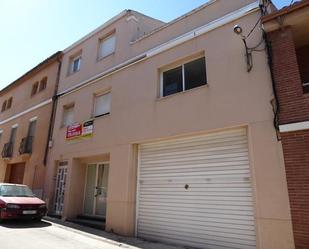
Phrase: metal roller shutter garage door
pixel 197 191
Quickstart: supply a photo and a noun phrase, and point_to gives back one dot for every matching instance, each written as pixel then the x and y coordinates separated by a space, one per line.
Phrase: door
pixel 96 189
pixel 60 189
pixel 196 192
pixel 17 172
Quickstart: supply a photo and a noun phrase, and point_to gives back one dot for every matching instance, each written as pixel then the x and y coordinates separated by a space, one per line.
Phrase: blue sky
pixel 31 30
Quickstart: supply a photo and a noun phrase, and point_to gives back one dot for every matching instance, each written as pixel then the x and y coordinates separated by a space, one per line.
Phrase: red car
pixel 18 201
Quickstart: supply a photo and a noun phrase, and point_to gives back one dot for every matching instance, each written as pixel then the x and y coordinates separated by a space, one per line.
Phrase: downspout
pixel 276 104
pixel 53 112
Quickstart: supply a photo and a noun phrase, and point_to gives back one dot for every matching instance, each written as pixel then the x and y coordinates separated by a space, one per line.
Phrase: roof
pixel 56 56
pixel 286 10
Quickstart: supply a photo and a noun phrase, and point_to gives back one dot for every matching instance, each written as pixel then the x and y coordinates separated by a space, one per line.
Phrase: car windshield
pixel 15 191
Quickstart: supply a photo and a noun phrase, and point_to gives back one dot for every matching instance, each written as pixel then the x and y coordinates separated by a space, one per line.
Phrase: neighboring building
pixel 26 108
pixel 161 131
pixel 288 33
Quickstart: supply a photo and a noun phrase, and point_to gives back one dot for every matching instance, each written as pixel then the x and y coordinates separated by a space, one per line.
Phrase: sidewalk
pixel 113 239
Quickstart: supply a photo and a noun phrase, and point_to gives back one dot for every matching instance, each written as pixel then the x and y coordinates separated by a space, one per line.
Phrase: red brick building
pixel 288 36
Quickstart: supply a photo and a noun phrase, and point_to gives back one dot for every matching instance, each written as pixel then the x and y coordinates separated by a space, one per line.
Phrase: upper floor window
pixel 1 131
pixel 31 128
pixel 43 84
pixel 68 115
pixel 107 46
pixel 75 63
pixel 184 77
pixel 4 106
pixel 13 133
pixel 102 104
pixel 34 88
pixel 7 104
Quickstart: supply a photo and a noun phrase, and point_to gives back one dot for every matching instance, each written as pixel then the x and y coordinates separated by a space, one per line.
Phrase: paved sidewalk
pixel 110 238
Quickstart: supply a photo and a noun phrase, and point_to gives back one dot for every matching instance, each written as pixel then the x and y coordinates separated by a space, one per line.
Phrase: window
pixel 184 77
pixel 34 88
pixel 102 104
pixel 3 106
pixel 31 128
pixel 9 103
pixel 13 134
pixel 43 84
pixel 68 115
pixel 107 46
pixel 303 66
pixel 75 64
pixel 1 131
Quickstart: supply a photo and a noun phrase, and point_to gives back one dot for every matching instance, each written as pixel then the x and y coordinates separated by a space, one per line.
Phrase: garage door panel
pixel 197 192
pixel 207 241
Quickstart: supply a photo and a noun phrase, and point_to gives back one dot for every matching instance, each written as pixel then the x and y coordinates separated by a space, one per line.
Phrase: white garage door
pixel 197 192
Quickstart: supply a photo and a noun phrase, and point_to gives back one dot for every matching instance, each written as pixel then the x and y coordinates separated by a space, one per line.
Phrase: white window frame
pixel 71 64
pixel 94 104
pixel 102 41
pixel 182 64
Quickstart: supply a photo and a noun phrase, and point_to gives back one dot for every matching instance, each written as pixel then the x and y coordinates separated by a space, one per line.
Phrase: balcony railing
pixel 7 151
pixel 26 145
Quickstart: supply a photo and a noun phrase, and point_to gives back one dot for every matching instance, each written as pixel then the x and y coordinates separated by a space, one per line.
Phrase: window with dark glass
pixel 172 81
pixel 195 73
pixel 43 84
pixel 34 88
pixel 184 77
pixel 9 103
pixel 3 106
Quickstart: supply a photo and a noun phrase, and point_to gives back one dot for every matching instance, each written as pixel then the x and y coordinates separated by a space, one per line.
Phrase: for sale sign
pixel 80 130
pixel 74 131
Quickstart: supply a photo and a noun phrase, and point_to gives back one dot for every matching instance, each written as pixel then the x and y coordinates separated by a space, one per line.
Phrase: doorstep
pixel 114 239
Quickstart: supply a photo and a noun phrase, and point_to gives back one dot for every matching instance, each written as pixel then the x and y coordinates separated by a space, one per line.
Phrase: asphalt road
pixel 45 235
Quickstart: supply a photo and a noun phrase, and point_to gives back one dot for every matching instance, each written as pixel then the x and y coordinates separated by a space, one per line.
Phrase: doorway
pixel 15 173
pixel 95 197
pixel 60 188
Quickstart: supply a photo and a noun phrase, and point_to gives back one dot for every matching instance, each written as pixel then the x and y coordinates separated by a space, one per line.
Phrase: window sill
pixel 101 116
pixel 104 57
pixel 183 92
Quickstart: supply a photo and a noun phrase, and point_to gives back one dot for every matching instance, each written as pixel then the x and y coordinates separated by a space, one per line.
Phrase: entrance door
pixel 96 189
pixel 60 188
pixel 17 173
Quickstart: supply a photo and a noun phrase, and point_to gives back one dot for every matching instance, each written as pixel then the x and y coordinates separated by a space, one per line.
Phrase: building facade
pixel 288 33
pixel 26 108
pixel 162 133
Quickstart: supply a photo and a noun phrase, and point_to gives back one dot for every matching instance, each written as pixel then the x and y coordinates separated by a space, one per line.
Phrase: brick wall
pixel 294 104
pixel 296 157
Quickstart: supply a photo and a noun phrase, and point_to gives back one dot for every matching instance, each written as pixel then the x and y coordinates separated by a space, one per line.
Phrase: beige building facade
pixel 161 132
pixel 26 108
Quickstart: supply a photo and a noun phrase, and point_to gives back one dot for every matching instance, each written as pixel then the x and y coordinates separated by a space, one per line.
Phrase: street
pixel 49 235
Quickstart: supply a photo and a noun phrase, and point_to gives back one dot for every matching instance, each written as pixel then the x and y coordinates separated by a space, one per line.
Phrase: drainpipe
pixel 276 104
pixel 53 112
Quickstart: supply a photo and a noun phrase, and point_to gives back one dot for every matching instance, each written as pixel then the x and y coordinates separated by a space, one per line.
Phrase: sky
pixel 32 30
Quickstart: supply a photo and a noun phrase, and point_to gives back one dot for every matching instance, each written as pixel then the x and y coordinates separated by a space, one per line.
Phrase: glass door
pixel 96 189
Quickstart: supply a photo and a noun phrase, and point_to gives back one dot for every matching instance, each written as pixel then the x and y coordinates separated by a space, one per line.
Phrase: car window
pixel 16 191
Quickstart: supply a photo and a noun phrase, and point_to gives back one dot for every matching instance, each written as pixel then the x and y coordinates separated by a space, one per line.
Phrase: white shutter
pixel 68 116
pixel 216 209
pixel 102 104
pixel 107 46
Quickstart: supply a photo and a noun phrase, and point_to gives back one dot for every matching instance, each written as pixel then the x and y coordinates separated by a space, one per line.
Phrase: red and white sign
pixel 74 131
pixel 83 130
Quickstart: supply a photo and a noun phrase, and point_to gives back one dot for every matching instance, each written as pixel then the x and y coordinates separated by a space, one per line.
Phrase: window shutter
pixel 107 46
pixel 102 104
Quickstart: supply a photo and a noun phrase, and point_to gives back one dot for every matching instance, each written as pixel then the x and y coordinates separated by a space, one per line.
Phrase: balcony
pixel 7 151
pixel 26 145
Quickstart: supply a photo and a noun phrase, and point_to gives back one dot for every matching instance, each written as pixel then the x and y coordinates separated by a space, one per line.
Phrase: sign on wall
pixel 80 130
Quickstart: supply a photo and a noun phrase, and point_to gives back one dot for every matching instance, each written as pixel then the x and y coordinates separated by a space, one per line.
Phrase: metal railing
pixel 7 151
pixel 25 146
